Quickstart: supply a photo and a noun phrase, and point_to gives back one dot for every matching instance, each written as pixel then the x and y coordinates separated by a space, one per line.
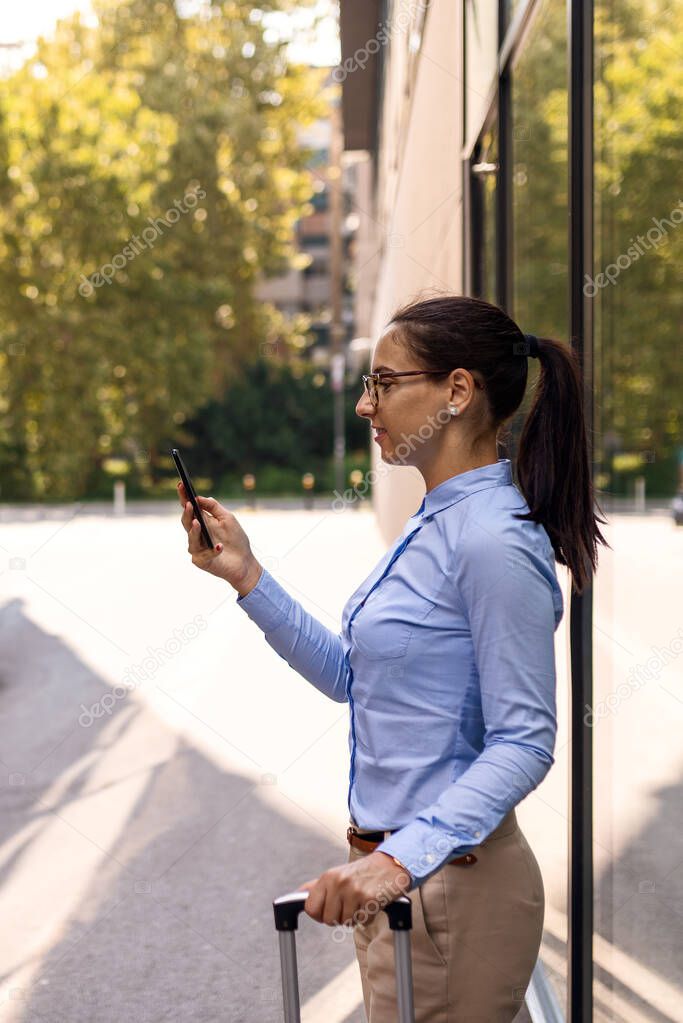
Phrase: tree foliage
pixel 106 135
pixel 638 94
pixel 277 414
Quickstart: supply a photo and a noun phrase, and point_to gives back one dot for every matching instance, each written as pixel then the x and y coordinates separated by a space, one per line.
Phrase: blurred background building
pixel 308 286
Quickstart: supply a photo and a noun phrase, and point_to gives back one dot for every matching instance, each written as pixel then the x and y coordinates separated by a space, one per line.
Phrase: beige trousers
pixel 475 938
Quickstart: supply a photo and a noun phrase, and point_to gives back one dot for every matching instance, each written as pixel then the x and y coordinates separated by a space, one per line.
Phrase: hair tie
pixel 532 342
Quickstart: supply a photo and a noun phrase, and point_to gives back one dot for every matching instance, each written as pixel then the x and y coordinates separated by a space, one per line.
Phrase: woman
pixel 446 655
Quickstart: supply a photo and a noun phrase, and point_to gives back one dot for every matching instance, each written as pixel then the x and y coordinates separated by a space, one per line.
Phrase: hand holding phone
pixel 231 558
pixel 192 497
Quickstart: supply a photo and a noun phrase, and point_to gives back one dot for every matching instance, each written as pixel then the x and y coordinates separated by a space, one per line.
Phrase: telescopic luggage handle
pixel 287 909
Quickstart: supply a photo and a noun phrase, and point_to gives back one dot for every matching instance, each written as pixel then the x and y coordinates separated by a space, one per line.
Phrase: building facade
pixel 308 285
pixel 527 152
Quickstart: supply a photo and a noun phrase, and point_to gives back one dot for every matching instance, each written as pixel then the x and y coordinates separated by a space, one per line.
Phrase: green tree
pixel 178 131
pixel 278 414
pixel 638 154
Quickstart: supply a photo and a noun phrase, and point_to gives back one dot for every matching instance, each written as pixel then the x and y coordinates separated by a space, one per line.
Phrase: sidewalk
pixel 141 849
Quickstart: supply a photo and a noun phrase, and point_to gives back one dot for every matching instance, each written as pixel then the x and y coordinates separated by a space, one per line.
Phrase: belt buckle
pixel 351 830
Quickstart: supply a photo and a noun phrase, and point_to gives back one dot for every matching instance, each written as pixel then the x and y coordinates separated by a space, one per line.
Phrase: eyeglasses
pixel 371 380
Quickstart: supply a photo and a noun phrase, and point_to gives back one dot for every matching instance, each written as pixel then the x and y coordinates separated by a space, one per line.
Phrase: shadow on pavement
pixel 137 875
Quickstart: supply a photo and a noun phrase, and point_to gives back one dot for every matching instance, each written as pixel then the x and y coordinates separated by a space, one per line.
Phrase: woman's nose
pixel 364 406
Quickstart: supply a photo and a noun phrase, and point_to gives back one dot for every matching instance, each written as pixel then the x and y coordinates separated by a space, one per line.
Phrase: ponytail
pixel 553 466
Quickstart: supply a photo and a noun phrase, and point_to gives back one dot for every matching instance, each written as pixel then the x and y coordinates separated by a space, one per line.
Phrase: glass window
pixel 509 10
pixel 484 172
pixel 539 173
pixel 637 713
pixel 320 201
pixel 540 306
pixel 539 176
pixel 481 59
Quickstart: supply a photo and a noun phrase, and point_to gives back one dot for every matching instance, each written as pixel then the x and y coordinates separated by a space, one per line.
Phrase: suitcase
pixel 287 909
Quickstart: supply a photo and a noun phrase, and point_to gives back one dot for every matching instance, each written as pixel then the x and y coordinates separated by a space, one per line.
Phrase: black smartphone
pixel 189 490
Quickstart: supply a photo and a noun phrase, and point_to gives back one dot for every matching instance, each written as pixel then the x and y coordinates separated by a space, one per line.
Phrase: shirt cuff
pixel 424 849
pixel 265 603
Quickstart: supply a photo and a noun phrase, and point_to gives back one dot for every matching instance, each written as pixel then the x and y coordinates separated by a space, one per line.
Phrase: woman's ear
pixel 462 387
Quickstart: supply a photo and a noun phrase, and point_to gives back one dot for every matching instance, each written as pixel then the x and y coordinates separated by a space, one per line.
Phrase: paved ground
pixel 140 850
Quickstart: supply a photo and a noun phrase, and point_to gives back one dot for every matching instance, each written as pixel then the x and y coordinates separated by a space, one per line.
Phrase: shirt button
pixel 429 858
pixel 477 834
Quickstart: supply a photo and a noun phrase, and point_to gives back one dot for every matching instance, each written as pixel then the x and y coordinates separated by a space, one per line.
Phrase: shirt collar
pixel 497 474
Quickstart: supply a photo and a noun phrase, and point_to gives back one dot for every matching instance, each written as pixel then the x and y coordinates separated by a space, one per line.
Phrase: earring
pixel 453 409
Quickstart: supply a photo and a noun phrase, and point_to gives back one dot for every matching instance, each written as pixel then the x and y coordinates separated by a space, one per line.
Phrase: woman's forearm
pixel 313 650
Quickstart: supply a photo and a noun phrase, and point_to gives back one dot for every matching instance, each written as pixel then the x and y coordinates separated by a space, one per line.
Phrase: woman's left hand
pixel 367 884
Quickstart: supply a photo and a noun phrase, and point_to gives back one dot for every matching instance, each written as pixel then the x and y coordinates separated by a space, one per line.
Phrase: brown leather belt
pixel 371 839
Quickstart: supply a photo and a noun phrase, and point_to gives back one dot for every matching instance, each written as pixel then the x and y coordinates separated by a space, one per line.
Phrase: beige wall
pixel 414 226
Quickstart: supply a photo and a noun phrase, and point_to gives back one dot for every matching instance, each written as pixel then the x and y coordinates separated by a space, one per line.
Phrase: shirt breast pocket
pixel 385 625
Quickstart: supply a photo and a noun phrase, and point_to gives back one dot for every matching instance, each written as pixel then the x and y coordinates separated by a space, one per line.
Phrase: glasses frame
pixel 370 380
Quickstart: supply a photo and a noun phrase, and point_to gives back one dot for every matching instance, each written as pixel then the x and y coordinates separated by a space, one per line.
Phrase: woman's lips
pixel 379 434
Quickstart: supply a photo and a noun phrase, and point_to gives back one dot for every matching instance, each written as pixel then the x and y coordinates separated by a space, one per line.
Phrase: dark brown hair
pixel 553 463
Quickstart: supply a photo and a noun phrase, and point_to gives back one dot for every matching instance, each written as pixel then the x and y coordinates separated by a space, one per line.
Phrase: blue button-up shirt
pixel 446 658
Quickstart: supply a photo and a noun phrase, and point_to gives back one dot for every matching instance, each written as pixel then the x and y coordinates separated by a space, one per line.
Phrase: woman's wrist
pixel 251 577
pixel 404 877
